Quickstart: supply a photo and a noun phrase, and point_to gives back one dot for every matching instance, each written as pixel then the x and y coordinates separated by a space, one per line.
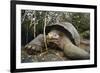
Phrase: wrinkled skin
pixel 63 42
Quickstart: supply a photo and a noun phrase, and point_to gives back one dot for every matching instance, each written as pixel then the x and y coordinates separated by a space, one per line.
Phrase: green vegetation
pixel 32 22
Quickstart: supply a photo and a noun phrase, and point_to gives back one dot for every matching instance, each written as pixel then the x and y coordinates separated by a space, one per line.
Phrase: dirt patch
pixel 52 54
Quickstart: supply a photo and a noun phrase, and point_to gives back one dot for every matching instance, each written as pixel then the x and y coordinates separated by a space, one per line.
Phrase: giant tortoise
pixel 66 37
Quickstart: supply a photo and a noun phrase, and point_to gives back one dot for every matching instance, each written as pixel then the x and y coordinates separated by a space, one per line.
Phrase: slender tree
pixel 45 20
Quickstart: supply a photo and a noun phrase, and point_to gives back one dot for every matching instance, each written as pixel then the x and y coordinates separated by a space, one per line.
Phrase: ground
pixel 52 54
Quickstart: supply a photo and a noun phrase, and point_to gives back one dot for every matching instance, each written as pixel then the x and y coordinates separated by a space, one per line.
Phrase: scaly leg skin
pixel 72 51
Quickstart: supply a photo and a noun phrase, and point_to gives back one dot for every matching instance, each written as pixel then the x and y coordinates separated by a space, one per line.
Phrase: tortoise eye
pixel 56 36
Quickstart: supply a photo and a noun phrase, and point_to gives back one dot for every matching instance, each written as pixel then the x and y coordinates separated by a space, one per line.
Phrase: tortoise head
pixel 53 34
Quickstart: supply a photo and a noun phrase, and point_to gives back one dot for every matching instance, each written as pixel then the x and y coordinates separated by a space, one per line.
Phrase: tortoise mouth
pixel 53 41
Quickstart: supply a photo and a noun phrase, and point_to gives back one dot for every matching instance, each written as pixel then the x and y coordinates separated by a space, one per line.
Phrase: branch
pixel 45 42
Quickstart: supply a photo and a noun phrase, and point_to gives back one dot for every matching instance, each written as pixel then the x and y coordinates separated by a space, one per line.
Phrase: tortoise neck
pixel 65 41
